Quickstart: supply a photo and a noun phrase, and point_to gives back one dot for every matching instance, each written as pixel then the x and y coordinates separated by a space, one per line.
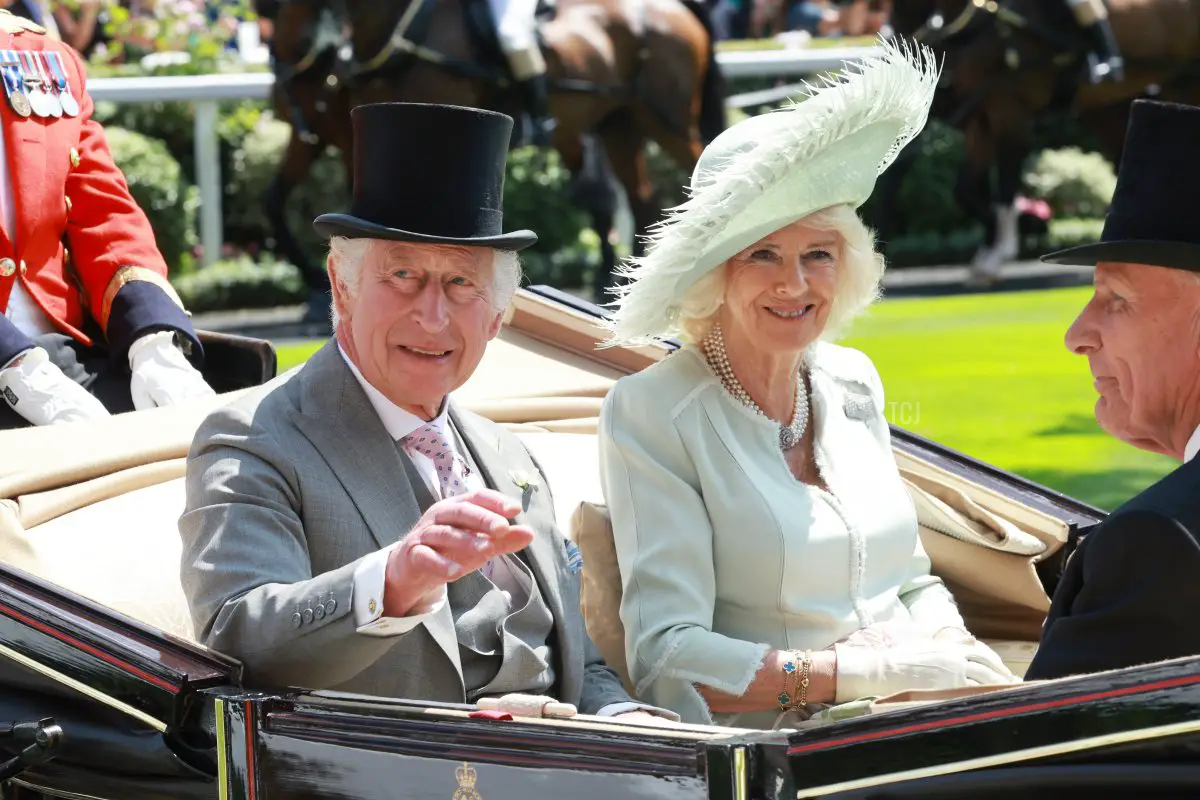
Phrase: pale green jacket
pixel 724 554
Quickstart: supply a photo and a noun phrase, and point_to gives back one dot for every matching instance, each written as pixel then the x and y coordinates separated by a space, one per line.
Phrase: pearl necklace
pixel 714 352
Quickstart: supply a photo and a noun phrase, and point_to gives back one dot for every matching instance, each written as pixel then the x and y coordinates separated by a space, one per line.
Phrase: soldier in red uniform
pixel 89 324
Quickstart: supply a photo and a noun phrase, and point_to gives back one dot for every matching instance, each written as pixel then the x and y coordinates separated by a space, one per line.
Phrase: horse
pixel 1006 62
pixel 308 93
pixel 621 74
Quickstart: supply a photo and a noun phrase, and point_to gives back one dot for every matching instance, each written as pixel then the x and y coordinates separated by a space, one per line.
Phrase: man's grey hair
pixel 860 273
pixel 348 256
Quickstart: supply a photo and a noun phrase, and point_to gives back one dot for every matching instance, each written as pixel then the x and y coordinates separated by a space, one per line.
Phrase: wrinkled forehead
pixel 1144 278
pixel 432 257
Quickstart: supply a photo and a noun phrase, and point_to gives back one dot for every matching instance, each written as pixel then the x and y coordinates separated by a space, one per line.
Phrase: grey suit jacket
pixel 289 487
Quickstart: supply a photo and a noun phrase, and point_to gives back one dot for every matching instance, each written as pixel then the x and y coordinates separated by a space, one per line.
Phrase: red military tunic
pixel 66 188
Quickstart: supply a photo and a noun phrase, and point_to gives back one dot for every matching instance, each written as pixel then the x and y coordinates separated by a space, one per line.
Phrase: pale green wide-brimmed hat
pixel 773 169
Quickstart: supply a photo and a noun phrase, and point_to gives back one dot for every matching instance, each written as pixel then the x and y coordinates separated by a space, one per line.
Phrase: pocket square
pixel 574 557
pixel 859 406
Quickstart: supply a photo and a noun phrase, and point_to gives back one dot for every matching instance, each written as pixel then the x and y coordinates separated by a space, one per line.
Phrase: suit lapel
pixel 336 416
pixel 497 473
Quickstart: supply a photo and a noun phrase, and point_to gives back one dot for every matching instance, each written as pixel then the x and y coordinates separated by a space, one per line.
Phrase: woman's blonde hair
pixel 860 272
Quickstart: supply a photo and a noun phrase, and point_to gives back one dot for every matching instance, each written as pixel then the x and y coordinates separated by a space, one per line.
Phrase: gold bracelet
pixel 805 679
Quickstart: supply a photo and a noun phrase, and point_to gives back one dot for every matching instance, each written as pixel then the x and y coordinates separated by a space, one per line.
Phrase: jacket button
pixel 22 266
pixel 7 267
pixel 74 157
pixel 319 612
pixel 296 620
pixel 308 615
pixel 331 606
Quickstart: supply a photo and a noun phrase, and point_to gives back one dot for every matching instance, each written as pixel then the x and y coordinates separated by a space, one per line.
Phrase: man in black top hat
pixel 348 526
pixel 1131 592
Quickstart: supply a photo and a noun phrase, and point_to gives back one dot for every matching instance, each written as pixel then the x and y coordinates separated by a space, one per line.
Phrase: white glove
pixel 39 391
pixel 162 375
pixel 867 672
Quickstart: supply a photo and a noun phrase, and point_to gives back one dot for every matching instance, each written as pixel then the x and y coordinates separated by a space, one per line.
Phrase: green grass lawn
pixel 988 375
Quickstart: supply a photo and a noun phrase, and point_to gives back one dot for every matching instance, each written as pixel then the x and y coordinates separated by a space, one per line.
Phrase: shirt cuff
pixel 368 600
pixel 612 709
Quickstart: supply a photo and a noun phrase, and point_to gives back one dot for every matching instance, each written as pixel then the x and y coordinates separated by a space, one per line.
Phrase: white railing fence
pixel 207 90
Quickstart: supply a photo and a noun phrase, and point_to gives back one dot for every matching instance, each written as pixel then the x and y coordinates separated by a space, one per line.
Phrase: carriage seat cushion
pixel 121 552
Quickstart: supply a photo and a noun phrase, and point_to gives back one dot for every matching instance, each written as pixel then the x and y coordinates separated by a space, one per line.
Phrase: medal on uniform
pixel 70 105
pixel 10 72
pixel 37 96
pixel 52 103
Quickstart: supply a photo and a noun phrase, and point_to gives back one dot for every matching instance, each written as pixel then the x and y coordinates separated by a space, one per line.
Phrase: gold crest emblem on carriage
pixel 466 783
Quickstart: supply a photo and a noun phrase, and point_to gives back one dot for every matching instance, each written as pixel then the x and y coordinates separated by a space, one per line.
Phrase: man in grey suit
pixel 346 526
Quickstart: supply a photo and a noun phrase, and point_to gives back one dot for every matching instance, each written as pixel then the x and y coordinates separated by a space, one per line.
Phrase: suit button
pixel 7 267
pixel 22 266
pixel 74 157
pixel 331 606
pixel 319 612
pixel 296 620
pixel 308 615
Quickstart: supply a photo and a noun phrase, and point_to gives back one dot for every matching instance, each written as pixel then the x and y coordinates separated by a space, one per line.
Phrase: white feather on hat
pixel 772 169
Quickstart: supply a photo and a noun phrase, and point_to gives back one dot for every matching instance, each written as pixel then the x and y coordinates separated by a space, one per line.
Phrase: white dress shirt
pixel 22 311
pixel 369 575
pixel 1192 447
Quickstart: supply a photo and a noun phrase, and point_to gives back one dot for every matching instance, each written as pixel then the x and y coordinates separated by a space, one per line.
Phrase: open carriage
pixel 109 695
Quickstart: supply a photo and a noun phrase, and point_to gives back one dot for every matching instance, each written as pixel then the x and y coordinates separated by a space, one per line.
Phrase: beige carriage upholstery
pixel 93 507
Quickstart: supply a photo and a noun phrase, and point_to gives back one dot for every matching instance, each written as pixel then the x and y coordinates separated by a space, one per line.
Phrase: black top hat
pixel 1152 219
pixel 428 173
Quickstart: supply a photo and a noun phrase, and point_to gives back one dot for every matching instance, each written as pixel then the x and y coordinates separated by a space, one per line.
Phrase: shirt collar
pixel 1193 446
pixel 398 422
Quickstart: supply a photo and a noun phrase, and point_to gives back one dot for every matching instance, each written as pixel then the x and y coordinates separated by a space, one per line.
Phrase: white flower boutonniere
pixel 527 483
pixel 523 480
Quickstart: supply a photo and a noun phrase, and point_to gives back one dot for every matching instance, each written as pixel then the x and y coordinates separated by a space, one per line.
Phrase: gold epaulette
pixel 11 23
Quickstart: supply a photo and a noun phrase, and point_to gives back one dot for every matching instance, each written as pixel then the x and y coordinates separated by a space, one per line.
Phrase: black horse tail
pixel 712 93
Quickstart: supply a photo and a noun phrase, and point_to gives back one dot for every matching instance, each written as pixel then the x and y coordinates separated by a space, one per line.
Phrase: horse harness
pixel 328 54
pixel 935 32
pixel 404 47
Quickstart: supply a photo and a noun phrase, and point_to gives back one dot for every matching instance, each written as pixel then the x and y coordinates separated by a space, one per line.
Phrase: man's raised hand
pixel 452 538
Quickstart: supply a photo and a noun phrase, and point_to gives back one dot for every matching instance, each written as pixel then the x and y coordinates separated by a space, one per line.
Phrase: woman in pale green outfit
pixel 768 549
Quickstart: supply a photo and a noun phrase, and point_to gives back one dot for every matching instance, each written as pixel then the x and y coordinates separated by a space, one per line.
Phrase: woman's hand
pixel 915 664
pixel 890 633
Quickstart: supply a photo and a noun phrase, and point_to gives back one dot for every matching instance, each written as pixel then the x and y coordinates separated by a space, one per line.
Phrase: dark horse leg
pixel 592 189
pixel 625 146
pixel 1010 157
pixel 1006 150
pixel 297 160
pixel 974 193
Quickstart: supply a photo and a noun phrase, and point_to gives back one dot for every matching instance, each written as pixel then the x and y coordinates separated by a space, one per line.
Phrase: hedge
pixel 162 190
pixel 254 163
pixel 241 283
